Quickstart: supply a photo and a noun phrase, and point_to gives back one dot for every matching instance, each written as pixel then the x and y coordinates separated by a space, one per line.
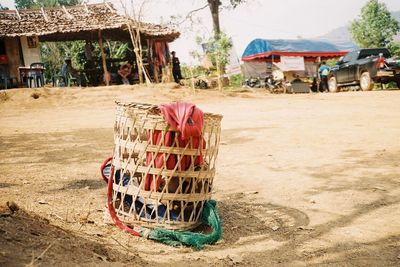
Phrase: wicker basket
pixel 178 202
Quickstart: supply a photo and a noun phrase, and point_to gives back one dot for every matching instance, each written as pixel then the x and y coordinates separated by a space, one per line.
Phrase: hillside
pixel 342 35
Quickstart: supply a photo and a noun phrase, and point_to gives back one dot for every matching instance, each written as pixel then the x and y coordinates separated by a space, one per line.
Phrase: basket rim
pixel 154 109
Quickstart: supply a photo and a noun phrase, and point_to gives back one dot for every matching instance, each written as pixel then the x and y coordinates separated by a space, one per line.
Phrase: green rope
pixel 209 216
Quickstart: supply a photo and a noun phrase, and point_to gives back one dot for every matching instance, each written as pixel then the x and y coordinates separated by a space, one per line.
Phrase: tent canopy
pixel 261 49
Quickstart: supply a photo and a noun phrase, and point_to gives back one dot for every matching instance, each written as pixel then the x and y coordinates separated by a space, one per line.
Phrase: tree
pixel 375 26
pixel 220 42
pixel 3 7
pixel 394 48
pixel 217 49
pixel 215 6
pixel 25 4
pixel 69 2
pixel 214 9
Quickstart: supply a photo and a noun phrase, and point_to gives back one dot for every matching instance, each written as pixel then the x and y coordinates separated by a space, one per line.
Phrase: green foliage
pixel 3 7
pixel 390 86
pixel 117 49
pixel 69 2
pixel 235 3
pixel 394 48
pixel 331 62
pixel 55 53
pixel 24 4
pixel 217 48
pixel 197 71
pixel 76 51
pixel 52 58
pixel 375 26
pixel 236 80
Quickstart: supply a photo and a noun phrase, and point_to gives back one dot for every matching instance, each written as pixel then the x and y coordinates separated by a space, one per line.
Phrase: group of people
pixel 321 85
pixel 124 73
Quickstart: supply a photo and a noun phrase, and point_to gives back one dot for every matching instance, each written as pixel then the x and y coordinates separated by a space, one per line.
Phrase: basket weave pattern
pixel 177 194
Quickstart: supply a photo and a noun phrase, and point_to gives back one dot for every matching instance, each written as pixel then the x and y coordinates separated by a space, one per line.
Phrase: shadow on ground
pixel 246 221
pixel 28 239
pixel 84 183
pixel 6 185
pixel 359 172
pixel 80 146
pixel 383 252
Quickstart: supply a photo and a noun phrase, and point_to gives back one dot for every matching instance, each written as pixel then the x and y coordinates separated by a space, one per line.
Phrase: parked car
pixel 364 67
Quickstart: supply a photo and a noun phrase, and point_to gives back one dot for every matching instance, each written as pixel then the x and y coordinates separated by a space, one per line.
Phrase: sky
pixel 272 19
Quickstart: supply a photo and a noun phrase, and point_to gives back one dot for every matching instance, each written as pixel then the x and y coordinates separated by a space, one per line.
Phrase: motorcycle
pixel 276 83
pixel 252 83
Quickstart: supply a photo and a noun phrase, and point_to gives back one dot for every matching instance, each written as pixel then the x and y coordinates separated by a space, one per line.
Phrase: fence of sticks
pixel 160 184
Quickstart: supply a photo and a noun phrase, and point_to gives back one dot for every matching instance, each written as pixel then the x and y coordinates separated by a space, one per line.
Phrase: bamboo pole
pixel 103 58
pixel 219 73
pixel 137 50
pixel 192 78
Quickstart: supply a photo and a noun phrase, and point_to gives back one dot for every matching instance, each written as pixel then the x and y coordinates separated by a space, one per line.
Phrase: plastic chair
pixel 35 75
pixel 6 79
pixel 74 80
pixel 71 80
pixel 58 80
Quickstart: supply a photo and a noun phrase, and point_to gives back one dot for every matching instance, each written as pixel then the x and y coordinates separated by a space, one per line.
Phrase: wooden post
pixel 103 58
pixel 156 67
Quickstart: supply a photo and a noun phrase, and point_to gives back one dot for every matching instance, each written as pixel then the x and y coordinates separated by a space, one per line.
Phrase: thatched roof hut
pixel 22 30
pixel 76 23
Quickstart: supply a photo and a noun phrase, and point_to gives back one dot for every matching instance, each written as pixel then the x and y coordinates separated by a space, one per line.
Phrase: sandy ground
pixel 302 180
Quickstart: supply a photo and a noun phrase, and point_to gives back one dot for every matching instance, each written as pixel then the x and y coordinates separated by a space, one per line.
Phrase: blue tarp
pixel 262 47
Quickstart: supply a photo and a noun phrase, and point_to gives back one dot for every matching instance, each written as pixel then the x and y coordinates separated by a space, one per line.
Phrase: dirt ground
pixel 302 180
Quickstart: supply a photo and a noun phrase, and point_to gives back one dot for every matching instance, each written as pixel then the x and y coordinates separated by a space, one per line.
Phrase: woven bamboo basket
pixel 178 202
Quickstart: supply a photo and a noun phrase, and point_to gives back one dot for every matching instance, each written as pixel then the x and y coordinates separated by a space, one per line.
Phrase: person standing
pixel 176 67
pixel 323 74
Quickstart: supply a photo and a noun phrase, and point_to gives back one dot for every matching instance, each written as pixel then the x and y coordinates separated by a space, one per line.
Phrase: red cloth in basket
pixel 188 120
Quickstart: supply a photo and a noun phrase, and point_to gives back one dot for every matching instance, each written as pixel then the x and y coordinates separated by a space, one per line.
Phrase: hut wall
pixel 30 50
pixel 12 50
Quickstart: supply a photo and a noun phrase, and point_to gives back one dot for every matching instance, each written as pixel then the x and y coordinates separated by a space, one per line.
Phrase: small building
pixel 300 56
pixel 21 31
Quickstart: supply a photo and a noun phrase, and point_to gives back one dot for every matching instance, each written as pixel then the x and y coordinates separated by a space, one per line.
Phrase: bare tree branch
pixel 190 14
